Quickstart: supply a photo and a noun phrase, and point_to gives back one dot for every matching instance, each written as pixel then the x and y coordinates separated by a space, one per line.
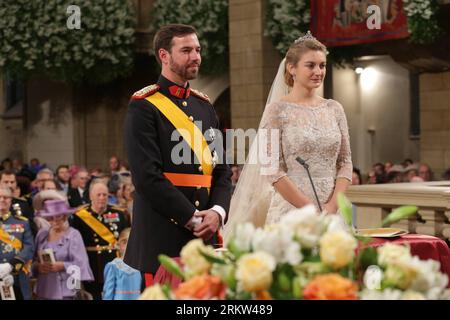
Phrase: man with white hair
pixel 16 248
pixel 42 176
pixel 100 225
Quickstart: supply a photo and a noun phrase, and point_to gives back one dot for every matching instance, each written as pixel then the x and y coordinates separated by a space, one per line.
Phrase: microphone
pixel 306 166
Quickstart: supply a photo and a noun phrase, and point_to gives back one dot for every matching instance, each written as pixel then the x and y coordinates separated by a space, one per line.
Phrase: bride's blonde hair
pixel 295 52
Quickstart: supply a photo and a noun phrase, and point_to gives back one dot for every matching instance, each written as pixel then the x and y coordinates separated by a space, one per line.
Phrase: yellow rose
pixel 400 274
pixel 337 248
pixel 194 263
pixel 254 271
pixel 153 293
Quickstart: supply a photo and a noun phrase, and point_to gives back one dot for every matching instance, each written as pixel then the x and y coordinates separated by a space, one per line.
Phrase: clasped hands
pixel 209 225
pixel 47 267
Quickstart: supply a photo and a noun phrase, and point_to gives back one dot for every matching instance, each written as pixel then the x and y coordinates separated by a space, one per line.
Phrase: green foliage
pixel 282 287
pixel 398 214
pixel 367 257
pixel 35 39
pixel 422 22
pixel 211 258
pixel 209 17
pixel 345 208
pixel 171 265
pixel 286 21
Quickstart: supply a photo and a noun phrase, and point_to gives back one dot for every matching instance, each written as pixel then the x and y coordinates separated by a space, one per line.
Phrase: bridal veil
pixel 253 193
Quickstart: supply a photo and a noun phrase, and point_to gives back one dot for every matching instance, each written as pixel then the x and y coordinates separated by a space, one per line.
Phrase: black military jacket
pixel 161 210
pixel 114 219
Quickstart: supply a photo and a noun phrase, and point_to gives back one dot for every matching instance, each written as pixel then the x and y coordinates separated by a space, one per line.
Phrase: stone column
pixel 253 62
pixel 435 121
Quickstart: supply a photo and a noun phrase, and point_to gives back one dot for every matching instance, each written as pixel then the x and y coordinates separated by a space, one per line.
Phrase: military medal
pixel 212 134
pixel 215 158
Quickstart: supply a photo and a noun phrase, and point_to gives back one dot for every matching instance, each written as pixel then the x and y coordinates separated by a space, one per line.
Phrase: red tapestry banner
pixel 346 22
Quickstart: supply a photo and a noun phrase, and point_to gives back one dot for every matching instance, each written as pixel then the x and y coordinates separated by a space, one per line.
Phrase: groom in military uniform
pixel 174 201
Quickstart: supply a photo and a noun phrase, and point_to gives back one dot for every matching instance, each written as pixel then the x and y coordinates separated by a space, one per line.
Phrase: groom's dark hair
pixel 163 38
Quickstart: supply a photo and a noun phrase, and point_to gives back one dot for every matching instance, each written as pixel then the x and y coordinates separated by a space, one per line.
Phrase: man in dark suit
pixel 175 201
pixel 78 196
pixel 100 225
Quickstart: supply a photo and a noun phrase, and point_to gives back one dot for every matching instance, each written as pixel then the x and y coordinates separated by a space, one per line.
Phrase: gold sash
pixel 6 238
pixel 98 227
pixel 187 129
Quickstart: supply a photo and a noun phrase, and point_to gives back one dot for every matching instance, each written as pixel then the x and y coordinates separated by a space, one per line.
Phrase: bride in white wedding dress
pixel 307 126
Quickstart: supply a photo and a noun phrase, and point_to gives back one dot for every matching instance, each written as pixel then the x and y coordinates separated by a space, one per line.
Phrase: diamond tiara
pixel 307 36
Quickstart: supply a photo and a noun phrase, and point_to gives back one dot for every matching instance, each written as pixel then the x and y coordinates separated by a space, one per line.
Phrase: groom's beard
pixel 187 72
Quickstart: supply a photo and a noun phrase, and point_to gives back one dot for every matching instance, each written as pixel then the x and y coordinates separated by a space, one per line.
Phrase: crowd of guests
pixel 407 171
pixel 63 232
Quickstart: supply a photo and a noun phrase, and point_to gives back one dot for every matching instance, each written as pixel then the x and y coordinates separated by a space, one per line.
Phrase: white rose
pixel 387 294
pixel 243 236
pixel 392 253
pixel 306 224
pixel 429 279
pixel 278 241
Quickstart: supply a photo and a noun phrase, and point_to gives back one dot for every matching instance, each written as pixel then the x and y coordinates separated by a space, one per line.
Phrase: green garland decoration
pixel 209 17
pixel 286 21
pixel 422 21
pixel 35 39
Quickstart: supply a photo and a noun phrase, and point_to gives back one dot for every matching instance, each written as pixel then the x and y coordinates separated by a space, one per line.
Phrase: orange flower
pixel 263 295
pixel 201 287
pixel 331 287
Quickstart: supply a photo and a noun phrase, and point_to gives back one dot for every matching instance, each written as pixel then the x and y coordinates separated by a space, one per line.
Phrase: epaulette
pixel 21 217
pixel 145 92
pixel 114 207
pixel 83 206
pixel 20 198
pixel 200 95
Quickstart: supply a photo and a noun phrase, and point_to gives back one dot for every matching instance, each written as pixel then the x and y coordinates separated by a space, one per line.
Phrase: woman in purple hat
pixel 61 261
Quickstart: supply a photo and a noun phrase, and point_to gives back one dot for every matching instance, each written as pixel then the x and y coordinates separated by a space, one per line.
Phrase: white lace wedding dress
pixel 319 135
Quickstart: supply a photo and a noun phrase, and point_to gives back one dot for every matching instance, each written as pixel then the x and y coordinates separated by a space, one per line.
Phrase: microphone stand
pixel 306 166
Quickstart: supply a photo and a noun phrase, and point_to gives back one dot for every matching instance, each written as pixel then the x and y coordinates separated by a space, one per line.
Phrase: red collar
pixel 179 92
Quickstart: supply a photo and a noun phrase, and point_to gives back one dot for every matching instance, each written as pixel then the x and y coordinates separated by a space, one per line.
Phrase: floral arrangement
pixel 422 22
pixel 35 39
pixel 305 256
pixel 210 18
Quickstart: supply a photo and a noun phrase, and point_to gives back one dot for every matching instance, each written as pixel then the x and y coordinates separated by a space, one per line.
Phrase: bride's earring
pixel 294 77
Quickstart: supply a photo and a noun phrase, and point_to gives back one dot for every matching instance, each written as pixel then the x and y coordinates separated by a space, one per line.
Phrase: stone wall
pixel 49 122
pixel 11 131
pixel 435 120
pixel 377 105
